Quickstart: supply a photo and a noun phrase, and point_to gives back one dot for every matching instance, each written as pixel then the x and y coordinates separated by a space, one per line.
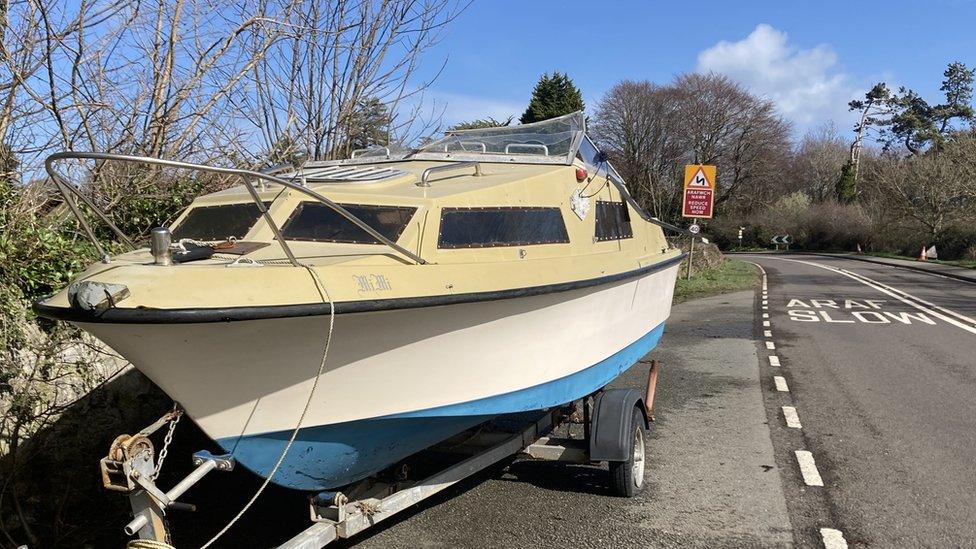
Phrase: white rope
pixel 324 294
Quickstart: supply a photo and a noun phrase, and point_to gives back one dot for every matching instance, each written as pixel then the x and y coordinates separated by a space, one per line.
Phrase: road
pixel 880 364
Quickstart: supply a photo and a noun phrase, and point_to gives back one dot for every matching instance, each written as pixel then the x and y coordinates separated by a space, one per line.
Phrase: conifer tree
pixel 553 96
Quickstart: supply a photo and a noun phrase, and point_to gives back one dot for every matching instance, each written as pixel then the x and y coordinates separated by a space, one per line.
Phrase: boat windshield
pixel 553 140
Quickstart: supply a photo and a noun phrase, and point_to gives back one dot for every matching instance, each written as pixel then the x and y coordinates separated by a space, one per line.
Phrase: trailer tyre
pixel 627 477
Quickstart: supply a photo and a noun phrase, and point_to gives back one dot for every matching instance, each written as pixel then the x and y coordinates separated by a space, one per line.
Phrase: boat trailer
pixel 614 422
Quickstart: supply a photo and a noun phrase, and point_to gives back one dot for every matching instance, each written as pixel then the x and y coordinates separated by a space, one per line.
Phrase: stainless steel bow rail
pixel 70 192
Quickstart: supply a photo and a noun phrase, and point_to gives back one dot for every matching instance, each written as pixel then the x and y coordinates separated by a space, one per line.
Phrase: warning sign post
pixel 699 191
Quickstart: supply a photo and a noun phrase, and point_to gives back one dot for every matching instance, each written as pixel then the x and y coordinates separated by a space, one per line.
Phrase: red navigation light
pixel 580 174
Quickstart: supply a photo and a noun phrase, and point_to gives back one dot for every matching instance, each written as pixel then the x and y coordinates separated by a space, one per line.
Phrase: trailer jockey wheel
pixel 627 477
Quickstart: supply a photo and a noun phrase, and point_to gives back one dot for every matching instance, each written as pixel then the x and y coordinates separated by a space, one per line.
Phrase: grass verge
pixel 731 276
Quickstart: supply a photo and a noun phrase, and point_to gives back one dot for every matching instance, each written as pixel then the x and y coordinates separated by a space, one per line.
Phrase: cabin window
pixel 218 222
pixel 501 226
pixel 612 221
pixel 316 222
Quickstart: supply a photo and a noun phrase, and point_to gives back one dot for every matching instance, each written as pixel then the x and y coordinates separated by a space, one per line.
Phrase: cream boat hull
pixel 395 381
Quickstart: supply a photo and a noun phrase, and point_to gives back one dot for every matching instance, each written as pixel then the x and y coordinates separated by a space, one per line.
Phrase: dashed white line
pixel 781 385
pixel 833 539
pixel 791 417
pixel 808 468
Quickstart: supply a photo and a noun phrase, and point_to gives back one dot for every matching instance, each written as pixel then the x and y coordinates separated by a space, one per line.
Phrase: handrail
pixel 545 149
pixel 367 149
pixel 246 176
pixel 462 144
pixel 424 177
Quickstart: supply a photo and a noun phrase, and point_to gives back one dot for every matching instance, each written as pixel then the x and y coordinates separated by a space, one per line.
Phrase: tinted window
pixel 218 222
pixel 485 227
pixel 319 223
pixel 612 221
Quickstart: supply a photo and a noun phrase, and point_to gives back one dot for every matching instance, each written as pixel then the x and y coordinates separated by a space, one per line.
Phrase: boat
pixel 339 316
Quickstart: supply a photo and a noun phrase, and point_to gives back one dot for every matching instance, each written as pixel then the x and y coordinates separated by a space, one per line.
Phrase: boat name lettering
pixel 372 283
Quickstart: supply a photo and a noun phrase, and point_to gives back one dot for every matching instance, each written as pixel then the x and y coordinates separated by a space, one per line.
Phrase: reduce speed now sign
pixel 699 191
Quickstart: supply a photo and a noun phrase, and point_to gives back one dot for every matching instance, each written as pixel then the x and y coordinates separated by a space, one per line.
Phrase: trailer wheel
pixel 627 477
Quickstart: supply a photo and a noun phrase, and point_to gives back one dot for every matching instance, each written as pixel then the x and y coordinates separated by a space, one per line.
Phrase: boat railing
pixel 425 176
pixel 70 192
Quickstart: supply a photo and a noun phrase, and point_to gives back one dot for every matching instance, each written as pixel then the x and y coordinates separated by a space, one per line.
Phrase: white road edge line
pixel 770 345
pixel 781 385
pixel 808 468
pixel 833 539
pixel 791 417
pixel 868 282
pixel 767 333
pixel 774 361
pixel 766 323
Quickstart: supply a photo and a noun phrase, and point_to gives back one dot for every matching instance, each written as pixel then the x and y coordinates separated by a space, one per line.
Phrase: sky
pixel 810 58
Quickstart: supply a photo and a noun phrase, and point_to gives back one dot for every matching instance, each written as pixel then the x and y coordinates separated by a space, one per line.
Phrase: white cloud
pixel 806 85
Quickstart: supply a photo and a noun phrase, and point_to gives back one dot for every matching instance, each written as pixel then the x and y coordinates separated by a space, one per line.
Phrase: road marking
pixel 792 419
pixel 916 298
pixel 774 361
pixel 808 468
pixel 765 302
pixel 766 323
pixel 781 385
pixel 765 315
pixel 873 284
pixel 833 539
pixel 770 345
pixel 767 333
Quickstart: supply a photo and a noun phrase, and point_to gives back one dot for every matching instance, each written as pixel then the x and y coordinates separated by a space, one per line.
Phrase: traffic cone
pixel 922 256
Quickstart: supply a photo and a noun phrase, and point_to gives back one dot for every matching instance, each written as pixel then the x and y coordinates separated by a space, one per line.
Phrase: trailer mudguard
pixel 611 432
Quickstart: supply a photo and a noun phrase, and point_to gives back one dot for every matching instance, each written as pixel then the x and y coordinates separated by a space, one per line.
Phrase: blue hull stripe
pixel 330 456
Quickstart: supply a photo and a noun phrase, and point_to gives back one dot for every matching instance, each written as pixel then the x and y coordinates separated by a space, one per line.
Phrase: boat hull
pixel 395 381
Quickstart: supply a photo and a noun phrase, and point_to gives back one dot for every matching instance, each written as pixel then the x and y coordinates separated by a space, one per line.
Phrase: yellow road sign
pixel 699 192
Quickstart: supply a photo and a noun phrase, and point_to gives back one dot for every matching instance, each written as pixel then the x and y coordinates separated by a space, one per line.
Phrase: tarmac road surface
pixel 880 363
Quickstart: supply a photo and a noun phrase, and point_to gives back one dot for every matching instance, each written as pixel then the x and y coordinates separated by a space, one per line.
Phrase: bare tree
pixel 334 58
pixel 935 189
pixel 651 131
pixel 817 162
pixel 636 124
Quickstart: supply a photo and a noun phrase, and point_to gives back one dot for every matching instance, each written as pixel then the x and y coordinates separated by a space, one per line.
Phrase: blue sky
pixel 810 58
